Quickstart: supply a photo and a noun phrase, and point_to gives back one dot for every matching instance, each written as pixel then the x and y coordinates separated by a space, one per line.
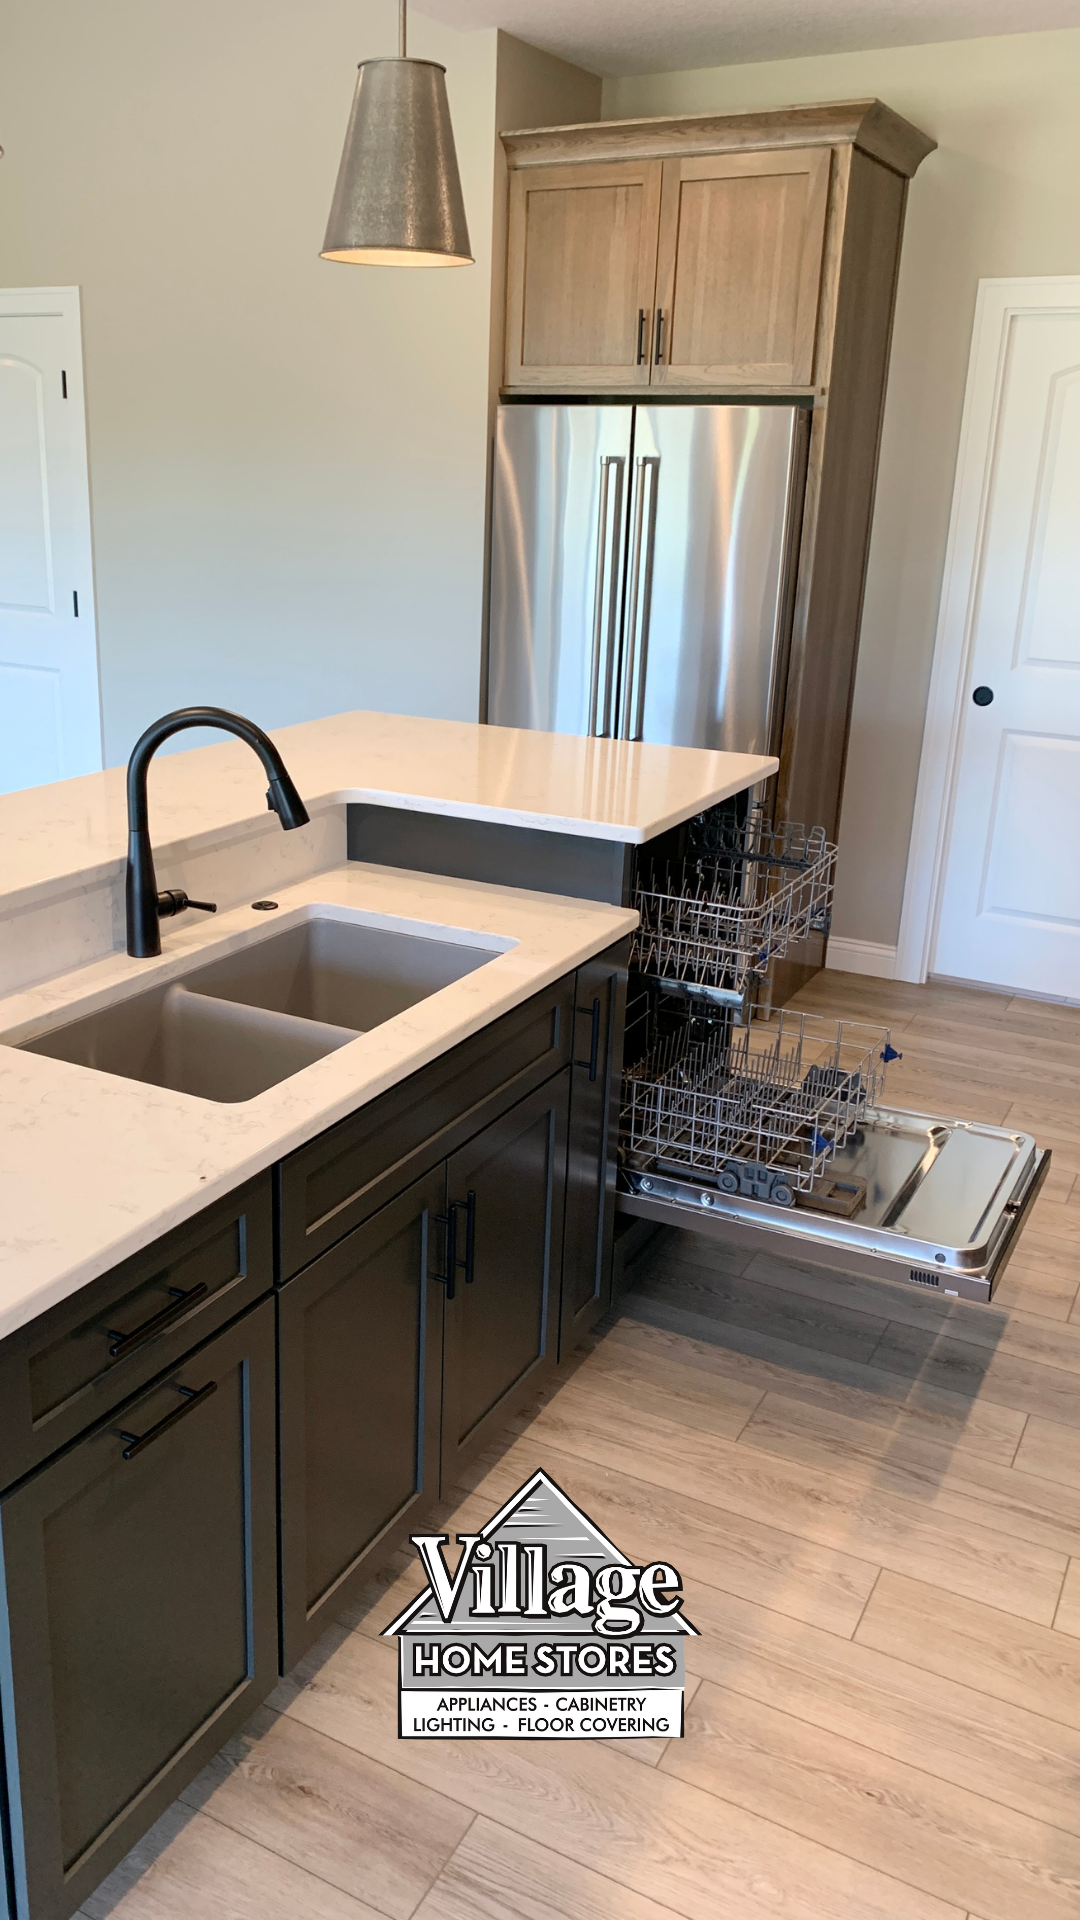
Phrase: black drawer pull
pixel 641 336
pixel 192 1398
pixel 125 1343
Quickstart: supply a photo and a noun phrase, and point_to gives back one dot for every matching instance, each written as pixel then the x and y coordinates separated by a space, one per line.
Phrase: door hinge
pixel 63 383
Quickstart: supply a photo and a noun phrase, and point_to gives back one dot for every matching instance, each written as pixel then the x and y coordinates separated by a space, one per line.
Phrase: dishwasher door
pixel 945 1203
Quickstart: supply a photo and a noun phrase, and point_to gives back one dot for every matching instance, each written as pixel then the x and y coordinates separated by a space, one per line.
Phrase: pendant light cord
pixel 401 29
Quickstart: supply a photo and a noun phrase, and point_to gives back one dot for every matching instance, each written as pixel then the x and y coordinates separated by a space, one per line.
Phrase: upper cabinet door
pixel 741 241
pixel 581 274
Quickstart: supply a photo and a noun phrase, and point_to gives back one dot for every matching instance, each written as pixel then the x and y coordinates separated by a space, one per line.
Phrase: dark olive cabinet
pixel 141 1611
pixel 506 1194
pixel 360 1359
pixel 599 1019
pixel 208 1451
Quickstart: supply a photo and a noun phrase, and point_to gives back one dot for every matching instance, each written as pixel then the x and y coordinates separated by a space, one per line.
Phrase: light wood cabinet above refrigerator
pixel 716 253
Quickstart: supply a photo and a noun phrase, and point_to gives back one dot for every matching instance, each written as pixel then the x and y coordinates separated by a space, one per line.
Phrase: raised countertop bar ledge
pixel 56 837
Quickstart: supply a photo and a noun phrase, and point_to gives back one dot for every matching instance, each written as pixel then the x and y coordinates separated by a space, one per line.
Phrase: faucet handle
pixel 174 900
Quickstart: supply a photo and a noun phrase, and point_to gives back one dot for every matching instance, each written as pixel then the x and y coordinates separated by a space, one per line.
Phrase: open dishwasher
pixel 772 1130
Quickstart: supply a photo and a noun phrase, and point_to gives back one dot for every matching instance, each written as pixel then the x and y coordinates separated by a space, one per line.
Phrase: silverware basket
pixel 725 917
pixel 759 1109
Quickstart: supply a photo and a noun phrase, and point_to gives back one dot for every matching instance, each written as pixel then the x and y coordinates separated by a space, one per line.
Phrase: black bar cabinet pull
pixel 658 353
pixel 641 318
pixel 470 1236
pixel 125 1343
pixel 192 1398
pixel 594 1043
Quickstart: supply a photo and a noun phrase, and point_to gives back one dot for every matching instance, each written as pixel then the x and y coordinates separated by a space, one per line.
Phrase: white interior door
pixel 1009 894
pixel 50 709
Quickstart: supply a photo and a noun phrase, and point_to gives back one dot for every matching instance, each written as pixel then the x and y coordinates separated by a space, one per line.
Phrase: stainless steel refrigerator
pixel 642 560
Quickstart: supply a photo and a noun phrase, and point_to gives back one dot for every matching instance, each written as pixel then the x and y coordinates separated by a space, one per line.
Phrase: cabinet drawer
pixel 140 1627
pixel 327 1188
pixel 68 1367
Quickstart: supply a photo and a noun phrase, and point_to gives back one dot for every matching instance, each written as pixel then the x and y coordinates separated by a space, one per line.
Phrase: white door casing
pixel 50 707
pixel 993 885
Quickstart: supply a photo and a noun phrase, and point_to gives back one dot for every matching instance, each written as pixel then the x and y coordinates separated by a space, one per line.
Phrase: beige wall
pixel 288 458
pixel 1001 196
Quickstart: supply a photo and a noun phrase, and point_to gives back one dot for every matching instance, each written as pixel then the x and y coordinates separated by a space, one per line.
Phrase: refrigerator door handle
pixel 643 551
pixel 604 521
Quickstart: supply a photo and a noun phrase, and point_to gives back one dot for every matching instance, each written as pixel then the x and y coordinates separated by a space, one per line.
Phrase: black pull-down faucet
pixel 146 907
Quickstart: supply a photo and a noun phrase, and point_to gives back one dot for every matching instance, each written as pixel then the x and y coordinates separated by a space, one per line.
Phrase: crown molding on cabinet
pixel 867 124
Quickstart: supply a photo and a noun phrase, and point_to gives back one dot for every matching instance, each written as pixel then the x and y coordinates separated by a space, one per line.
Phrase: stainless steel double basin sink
pixel 238 1025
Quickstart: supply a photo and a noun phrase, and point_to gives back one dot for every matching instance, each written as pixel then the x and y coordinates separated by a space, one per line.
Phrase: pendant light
pixel 398 200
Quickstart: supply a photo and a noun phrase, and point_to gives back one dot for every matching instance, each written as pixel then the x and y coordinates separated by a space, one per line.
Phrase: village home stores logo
pixel 543 1631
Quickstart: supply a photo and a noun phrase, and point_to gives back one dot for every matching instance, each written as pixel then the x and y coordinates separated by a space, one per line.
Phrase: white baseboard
pixel 861 956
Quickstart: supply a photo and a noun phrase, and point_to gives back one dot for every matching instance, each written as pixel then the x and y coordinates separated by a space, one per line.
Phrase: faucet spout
pixel 145 906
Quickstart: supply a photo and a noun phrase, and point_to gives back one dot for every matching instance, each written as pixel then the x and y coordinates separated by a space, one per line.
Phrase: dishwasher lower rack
pixel 759 1110
pixel 748 895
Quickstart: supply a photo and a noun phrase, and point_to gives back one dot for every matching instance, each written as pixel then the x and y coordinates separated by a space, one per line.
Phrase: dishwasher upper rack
pixel 770 1103
pixel 723 919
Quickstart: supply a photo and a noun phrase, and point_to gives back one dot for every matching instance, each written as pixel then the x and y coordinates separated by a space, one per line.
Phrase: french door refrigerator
pixel 642 559
pixel 642 580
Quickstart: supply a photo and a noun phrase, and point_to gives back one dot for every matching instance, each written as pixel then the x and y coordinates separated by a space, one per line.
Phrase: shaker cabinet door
pixel 360 1356
pixel 739 273
pixel 506 1193
pixel 581 270
pixel 600 1014
pixel 141 1612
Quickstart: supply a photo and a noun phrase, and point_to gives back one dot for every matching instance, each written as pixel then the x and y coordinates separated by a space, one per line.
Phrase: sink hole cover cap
pixel 264 906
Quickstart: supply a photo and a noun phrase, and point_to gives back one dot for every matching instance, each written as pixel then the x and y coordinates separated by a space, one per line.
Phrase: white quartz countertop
pixel 58 837
pixel 94 1167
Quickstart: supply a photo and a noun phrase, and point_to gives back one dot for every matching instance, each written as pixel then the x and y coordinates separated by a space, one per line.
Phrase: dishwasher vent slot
pixel 721 918
pixel 760 1109
pixel 923 1277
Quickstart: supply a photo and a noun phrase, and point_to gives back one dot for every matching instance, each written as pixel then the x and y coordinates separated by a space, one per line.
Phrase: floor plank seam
pixel 447 1863
pixel 1013 1468
pixel 862 1614
pixel 623 1886
pixel 273 1854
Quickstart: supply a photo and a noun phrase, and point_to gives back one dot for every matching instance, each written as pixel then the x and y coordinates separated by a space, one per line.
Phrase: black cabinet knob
pixel 982 696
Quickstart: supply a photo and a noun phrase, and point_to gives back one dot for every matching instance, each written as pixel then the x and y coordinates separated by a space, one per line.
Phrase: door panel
pixel 501 1328
pixel 360 1355
pixel 1010 903
pixel 707 615
pixel 557 543
pixel 580 274
pixel 741 240
pixel 590 1163
pixel 50 721
pixel 141 1610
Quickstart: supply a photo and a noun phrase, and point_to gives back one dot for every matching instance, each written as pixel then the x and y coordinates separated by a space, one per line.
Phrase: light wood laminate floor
pixel 874 1499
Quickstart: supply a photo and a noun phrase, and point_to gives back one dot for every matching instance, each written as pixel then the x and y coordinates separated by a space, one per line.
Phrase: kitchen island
pixel 249 1327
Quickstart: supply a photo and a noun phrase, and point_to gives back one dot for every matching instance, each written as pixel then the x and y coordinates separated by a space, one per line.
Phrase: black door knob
pixel 982 696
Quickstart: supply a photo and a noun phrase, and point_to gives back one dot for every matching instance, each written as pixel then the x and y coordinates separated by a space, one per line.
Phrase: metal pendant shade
pixel 398 197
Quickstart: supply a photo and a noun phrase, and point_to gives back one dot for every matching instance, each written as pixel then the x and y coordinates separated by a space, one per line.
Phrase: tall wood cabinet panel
pixel 581 274
pixel 777 250
pixel 739 268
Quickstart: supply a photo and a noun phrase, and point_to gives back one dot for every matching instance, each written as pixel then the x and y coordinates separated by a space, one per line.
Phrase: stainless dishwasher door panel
pixel 945 1203
pixel 704 650
pixel 556 588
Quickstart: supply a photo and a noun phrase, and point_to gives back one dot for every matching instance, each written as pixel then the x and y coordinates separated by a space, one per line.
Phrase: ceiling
pixel 656 36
